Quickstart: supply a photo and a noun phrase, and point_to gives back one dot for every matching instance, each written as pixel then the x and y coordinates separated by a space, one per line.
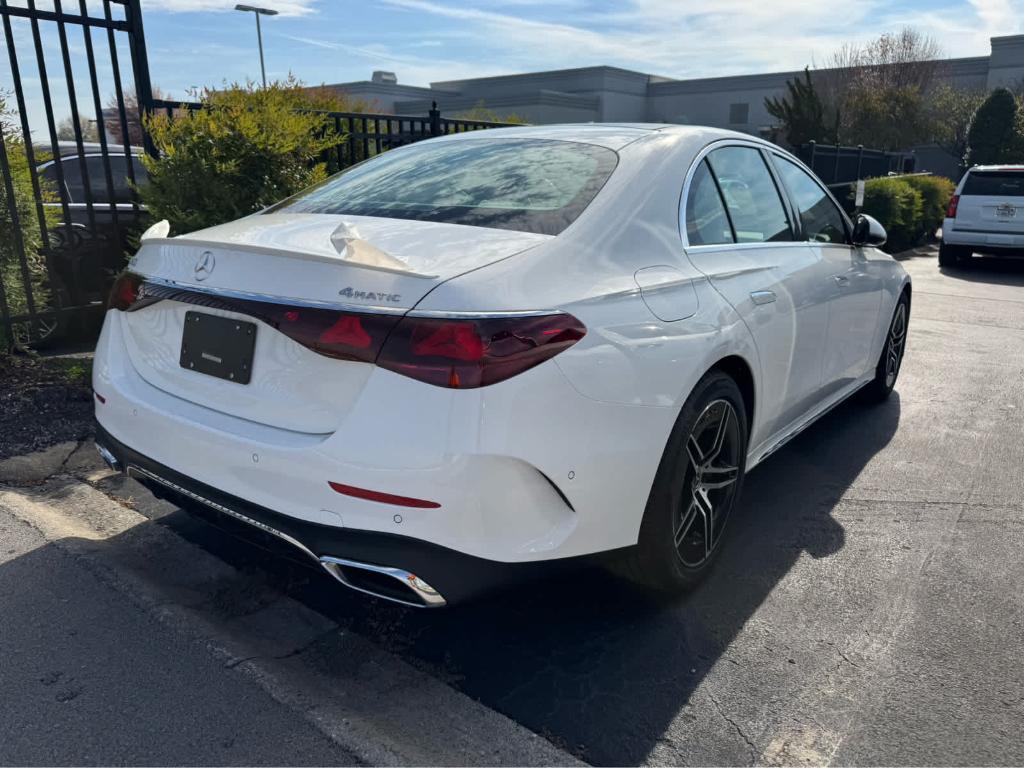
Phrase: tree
pixel 66 129
pixel 246 148
pixel 133 118
pixel 951 112
pixel 880 89
pixel 992 136
pixel 801 113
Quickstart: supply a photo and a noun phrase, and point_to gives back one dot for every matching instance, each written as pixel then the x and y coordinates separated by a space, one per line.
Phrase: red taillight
pixel 467 353
pixel 125 291
pixel 342 335
pixel 954 201
pixel 347 331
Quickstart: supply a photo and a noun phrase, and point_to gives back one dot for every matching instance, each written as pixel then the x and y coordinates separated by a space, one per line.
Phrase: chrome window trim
pixel 761 146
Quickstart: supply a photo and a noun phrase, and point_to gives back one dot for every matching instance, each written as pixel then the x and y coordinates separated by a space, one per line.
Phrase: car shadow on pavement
pixel 600 666
pixel 597 665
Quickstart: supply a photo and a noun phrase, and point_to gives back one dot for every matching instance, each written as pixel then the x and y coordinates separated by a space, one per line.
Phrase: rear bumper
pixel 397 568
pixel 983 241
pixel 527 470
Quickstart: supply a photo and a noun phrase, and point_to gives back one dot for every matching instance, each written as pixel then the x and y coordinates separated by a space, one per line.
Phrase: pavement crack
pixel 750 745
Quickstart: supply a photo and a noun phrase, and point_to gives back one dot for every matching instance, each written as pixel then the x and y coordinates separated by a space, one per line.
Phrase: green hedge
pixel 910 208
pixel 935 194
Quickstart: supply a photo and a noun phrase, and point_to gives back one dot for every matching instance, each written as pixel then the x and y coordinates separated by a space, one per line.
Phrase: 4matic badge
pixel 351 293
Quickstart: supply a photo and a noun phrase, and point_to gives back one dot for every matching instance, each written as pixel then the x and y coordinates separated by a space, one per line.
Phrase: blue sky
pixel 205 42
pixel 428 40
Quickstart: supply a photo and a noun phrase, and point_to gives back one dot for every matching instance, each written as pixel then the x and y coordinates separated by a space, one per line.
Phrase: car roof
pixel 995 168
pixel 69 148
pixel 611 135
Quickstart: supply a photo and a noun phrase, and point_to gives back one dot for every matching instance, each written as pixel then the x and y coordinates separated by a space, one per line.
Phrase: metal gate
pixel 76 73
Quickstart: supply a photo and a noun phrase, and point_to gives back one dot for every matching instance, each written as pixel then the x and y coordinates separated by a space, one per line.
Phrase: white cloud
pixel 284 7
pixel 674 38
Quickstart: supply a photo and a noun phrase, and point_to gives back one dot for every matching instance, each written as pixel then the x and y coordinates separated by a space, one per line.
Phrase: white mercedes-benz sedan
pixel 471 355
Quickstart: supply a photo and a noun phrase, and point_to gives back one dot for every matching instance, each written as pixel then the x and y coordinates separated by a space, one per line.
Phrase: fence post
pixel 814 148
pixel 835 165
pixel 435 119
pixel 860 159
pixel 140 70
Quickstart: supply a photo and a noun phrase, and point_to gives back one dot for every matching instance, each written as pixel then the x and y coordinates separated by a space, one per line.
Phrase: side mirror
pixel 867 231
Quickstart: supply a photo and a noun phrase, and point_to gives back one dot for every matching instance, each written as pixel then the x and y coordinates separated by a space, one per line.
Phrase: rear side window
pixel 995 184
pixel 530 185
pixel 755 207
pixel 95 166
pixel 706 220
pixel 820 218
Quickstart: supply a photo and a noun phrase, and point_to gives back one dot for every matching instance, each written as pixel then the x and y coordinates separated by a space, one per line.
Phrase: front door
pixel 854 286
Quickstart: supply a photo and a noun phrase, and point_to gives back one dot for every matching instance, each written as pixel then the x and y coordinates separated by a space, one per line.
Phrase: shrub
pixel 935 194
pixel 992 136
pixel 898 207
pixel 245 149
pixel 11 275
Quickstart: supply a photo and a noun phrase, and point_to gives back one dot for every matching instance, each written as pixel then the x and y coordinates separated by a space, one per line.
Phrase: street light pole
pixel 259 33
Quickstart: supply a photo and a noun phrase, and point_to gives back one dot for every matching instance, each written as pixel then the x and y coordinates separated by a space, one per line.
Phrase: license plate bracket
pixel 218 346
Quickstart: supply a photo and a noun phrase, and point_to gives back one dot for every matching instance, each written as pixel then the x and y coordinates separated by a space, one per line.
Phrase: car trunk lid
pixel 304 265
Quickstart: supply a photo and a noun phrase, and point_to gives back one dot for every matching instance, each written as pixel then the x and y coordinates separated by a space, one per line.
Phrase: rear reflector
pixel 954 201
pixel 383 498
pixel 457 352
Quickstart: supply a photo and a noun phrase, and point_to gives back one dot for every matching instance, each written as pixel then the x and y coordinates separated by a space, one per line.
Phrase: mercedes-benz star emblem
pixel 204 266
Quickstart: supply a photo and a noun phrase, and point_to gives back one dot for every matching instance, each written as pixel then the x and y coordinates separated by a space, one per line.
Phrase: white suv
pixel 986 214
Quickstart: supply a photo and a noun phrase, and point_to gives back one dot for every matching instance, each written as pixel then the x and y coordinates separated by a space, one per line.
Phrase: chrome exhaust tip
pixel 109 458
pixel 388 583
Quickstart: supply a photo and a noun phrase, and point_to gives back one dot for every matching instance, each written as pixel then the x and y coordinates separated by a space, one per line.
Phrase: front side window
pixel 530 185
pixel 755 207
pixel 706 220
pixel 819 217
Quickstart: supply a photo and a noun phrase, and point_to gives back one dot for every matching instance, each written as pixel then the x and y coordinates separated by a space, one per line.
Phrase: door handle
pixel 841 279
pixel 762 297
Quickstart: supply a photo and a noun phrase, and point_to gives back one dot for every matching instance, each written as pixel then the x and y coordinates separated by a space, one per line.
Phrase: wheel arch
pixel 743 374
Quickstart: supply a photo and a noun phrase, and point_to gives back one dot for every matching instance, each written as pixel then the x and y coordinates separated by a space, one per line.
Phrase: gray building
pixel 611 94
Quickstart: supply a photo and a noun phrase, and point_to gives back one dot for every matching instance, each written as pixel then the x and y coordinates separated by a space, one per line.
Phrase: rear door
pixel 740 234
pixel 992 202
pixel 852 279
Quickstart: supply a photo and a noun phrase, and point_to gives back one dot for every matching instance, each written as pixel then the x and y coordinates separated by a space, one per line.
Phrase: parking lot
pixel 868 608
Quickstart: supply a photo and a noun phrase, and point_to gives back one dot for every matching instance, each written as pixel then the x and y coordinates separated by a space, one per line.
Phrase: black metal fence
pixel 366 133
pixel 835 164
pixel 67 199
pixel 69 210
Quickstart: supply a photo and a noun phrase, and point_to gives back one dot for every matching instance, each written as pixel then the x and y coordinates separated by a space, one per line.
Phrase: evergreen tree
pixel 992 137
pixel 801 113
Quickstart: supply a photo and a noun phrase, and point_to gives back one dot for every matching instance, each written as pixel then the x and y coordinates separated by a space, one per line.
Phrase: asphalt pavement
pixel 867 609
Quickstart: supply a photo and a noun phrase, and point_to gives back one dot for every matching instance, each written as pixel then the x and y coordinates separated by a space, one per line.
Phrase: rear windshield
pixel 995 183
pixel 530 185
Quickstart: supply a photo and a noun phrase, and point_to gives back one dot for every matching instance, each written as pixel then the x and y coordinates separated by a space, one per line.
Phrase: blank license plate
pixel 218 346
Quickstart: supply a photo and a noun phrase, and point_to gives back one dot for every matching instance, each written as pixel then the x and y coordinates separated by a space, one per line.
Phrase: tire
pixel 891 359
pixel 951 255
pixel 692 479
